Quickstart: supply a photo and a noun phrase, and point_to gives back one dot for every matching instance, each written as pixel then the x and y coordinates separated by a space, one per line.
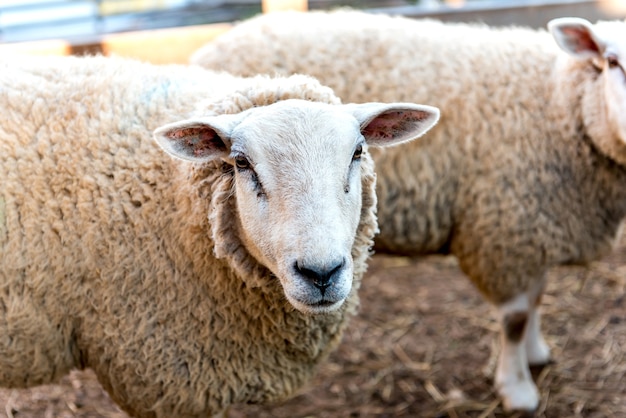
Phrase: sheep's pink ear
pixel 197 140
pixel 384 124
pixel 576 36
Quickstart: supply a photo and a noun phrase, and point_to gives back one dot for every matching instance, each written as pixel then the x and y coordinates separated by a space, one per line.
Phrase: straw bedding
pixel 424 345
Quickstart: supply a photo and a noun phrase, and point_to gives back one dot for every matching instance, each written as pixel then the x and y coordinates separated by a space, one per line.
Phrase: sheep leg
pixel 537 349
pixel 513 379
pixel 33 350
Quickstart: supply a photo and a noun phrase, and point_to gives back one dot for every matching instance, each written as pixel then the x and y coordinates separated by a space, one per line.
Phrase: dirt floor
pixel 424 345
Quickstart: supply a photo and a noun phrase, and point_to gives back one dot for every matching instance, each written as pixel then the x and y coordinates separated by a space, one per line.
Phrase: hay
pixel 424 345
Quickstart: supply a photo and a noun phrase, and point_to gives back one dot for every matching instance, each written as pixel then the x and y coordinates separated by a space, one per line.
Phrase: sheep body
pixel 525 170
pixel 116 257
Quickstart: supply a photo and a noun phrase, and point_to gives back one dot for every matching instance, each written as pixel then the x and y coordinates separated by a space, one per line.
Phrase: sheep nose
pixel 321 277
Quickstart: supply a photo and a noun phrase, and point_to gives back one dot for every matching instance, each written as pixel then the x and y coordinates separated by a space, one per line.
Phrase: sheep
pixel 220 276
pixel 526 169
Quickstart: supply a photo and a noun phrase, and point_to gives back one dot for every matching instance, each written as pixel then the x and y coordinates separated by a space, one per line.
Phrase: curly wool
pixel 108 260
pixel 521 173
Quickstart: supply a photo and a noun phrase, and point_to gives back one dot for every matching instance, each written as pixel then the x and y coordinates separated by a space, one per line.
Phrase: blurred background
pixel 90 26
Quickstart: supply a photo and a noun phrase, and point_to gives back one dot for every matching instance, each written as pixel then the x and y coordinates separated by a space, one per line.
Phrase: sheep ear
pixel 577 37
pixel 384 124
pixel 197 140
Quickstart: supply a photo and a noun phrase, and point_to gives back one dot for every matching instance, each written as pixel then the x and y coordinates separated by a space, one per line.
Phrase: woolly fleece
pixel 108 260
pixel 522 173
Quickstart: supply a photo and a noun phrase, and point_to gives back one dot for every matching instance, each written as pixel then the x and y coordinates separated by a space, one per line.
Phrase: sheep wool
pixel 526 169
pixel 117 257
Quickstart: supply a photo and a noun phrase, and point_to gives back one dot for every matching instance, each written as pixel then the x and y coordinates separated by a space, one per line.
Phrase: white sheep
pixel 176 281
pixel 526 169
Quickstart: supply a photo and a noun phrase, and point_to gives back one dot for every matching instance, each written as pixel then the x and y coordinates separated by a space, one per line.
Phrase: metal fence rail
pixel 86 21
pixel 78 20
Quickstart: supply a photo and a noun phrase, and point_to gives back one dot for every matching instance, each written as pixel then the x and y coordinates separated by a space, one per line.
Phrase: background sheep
pixel 173 281
pixel 525 170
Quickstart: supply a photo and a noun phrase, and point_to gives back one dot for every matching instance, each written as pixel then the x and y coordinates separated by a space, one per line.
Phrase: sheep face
pixel 603 47
pixel 298 183
pixel 300 205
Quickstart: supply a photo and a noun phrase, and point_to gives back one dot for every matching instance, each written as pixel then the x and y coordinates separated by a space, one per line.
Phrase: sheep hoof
pixel 520 396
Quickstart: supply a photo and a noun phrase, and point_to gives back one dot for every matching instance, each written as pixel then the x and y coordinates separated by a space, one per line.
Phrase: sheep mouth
pixel 325 306
pixel 320 307
pixel 323 303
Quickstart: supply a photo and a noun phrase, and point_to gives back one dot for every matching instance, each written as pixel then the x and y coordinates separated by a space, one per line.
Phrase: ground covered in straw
pixel 423 346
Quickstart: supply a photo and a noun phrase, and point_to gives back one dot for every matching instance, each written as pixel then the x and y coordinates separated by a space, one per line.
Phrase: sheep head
pixel 298 183
pixel 600 52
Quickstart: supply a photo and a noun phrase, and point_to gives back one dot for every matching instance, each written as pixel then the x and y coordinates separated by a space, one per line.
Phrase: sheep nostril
pixel 321 277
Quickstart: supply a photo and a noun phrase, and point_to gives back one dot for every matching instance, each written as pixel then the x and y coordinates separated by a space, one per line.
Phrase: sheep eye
pixel 357 153
pixel 612 61
pixel 242 163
